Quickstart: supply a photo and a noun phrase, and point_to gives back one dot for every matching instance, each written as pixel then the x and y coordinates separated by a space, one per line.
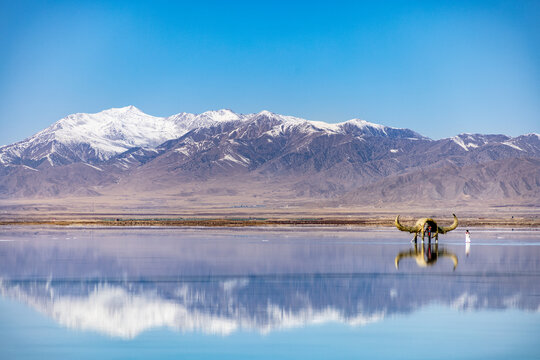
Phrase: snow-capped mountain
pixel 90 138
pixel 97 137
pixel 93 138
pixel 125 149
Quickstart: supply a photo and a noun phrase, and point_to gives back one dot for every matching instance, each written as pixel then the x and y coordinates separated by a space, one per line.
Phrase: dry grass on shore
pixel 243 222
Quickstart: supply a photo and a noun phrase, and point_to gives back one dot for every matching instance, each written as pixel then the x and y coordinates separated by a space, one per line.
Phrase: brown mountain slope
pixel 499 182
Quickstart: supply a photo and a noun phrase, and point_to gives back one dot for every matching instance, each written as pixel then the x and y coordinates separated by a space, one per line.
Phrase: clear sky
pixel 437 67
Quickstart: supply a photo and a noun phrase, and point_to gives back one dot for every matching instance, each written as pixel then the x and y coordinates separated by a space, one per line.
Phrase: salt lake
pixel 267 293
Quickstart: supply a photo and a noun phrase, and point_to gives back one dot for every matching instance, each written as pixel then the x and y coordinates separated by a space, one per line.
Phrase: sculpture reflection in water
pixel 426 254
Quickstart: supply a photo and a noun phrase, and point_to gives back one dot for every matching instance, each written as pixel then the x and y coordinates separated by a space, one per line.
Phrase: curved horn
pixel 451 256
pixel 445 229
pixel 411 229
pixel 405 254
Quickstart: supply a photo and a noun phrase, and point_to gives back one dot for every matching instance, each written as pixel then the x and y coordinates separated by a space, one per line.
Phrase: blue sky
pixel 437 67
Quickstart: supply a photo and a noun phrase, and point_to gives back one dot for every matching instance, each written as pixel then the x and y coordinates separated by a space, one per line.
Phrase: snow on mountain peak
pixel 101 135
pixel 468 140
pixel 285 119
pixel 366 128
pixel 363 123
pixel 110 132
pixel 129 108
pixel 266 113
pixel 220 115
pixel 187 121
pixel 119 128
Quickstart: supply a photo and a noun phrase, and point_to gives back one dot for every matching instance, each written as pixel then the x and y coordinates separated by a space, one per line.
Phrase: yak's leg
pixel 437 238
pixel 423 233
pixel 414 238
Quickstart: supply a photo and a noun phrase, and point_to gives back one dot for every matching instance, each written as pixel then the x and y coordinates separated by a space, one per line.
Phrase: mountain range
pixel 266 158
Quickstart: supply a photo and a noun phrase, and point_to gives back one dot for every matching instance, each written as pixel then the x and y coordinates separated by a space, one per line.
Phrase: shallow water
pixel 267 293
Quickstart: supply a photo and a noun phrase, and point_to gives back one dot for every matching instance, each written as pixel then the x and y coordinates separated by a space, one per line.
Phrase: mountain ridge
pixel 123 150
pixel 110 132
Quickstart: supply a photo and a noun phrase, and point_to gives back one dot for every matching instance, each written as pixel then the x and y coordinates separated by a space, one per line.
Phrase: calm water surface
pixel 299 293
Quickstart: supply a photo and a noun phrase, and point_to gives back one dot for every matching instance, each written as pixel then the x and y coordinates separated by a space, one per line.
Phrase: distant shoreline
pixel 261 222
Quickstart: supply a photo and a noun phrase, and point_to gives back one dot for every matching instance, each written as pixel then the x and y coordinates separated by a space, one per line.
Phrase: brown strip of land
pixel 234 222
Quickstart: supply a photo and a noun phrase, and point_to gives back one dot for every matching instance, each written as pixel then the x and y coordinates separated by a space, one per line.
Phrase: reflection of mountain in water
pixel 218 305
pixel 123 293
pixel 126 310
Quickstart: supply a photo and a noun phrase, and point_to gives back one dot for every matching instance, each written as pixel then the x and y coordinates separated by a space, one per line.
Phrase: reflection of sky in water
pixel 308 291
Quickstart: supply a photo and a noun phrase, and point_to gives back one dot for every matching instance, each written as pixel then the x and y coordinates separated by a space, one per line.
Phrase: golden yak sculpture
pixel 427 225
